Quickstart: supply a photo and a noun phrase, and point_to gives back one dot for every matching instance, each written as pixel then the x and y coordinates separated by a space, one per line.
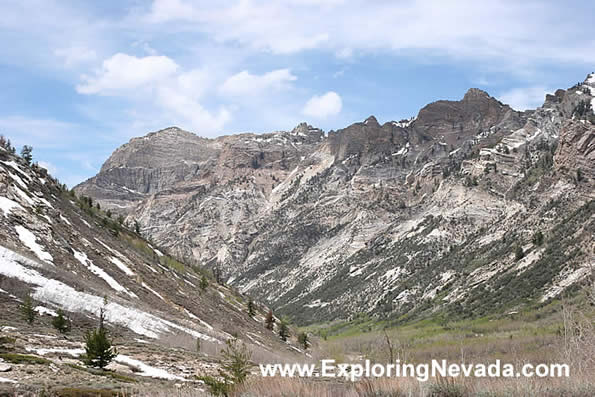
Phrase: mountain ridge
pixel 365 209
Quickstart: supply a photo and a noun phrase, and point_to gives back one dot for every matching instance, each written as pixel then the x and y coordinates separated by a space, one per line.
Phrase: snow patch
pixel 143 369
pixel 61 295
pixel 28 239
pixel 99 272
pixel 7 205
pixel 44 310
pixel 121 266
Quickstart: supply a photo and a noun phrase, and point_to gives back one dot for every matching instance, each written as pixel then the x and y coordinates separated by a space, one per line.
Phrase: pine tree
pixel 538 238
pixel 204 283
pixel 136 227
pixel 234 369
pixel 304 340
pixel 61 322
pixel 284 330
pixel 98 346
pixel 251 311
pixel 26 154
pixel 519 253
pixel 269 321
pixel 236 361
pixel 28 310
pixel 108 213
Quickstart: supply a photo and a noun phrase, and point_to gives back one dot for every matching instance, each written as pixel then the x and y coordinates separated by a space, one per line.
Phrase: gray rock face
pixel 393 219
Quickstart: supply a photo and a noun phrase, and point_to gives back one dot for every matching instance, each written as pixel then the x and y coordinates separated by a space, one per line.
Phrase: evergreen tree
pixel 251 311
pixel 236 361
pixel 26 154
pixel 284 330
pixel 519 253
pixel 235 368
pixel 108 213
pixel 538 238
pixel 28 310
pixel 98 346
pixel 204 283
pixel 136 227
pixel 61 322
pixel 304 340
pixel 269 321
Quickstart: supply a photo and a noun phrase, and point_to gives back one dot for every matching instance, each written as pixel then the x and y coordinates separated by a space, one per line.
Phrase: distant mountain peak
pixel 475 93
pixel 371 120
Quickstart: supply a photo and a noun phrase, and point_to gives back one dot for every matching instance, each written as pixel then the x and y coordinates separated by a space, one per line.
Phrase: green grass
pixel 98 372
pixel 85 392
pixel 14 358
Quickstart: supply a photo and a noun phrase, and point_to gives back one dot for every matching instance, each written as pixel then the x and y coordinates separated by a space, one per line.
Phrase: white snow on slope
pixel 143 369
pixel 17 168
pixel 192 316
pixel 44 310
pixel 6 380
pixel 7 205
pixel 43 352
pixel 140 368
pixel 153 291
pixel 17 179
pixel 61 295
pixel 121 266
pixel 99 272
pixel 28 239
pixel 24 196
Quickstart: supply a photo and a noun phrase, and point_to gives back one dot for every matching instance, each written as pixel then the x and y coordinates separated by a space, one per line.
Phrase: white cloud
pixel 42 133
pixel 323 106
pixel 76 55
pixel 123 72
pixel 247 84
pixel 525 98
pixel 508 30
pixel 190 112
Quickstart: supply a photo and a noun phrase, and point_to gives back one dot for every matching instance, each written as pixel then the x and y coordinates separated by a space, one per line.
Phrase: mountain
pixel 471 207
pixel 70 255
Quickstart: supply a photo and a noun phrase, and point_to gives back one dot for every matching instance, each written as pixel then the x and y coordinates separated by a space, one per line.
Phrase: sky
pixel 80 78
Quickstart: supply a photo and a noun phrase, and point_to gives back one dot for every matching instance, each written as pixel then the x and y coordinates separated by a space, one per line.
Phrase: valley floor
pixel 561 332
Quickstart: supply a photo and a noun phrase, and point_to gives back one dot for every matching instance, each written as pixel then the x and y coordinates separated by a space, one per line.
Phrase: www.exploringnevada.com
pixel 422 372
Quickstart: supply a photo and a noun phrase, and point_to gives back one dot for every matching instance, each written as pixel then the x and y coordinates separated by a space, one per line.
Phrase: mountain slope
pixel 69 255
pixel 396 219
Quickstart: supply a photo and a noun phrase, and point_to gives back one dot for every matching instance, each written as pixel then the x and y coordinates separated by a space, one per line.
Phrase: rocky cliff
pixel 436 213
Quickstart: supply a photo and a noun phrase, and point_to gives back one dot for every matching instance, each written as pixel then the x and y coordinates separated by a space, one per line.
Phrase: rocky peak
pixel 474 94
pixel 371 121
pixel 306 130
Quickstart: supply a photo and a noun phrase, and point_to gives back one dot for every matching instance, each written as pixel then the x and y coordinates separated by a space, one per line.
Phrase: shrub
pixel 284 330
pixel 304 340
pixel 269 321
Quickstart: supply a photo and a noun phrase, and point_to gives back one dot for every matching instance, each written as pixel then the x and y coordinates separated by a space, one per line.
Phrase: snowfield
pixel 58 294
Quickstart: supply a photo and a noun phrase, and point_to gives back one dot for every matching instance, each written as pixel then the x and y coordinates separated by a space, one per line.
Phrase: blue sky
pixel 78 79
